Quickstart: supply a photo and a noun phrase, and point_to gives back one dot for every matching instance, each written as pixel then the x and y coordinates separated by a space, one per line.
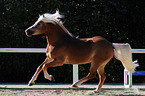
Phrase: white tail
pixel 123 53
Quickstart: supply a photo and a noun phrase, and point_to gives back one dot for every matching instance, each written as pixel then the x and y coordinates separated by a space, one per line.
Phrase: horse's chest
pixel 55 51
pixel 49 51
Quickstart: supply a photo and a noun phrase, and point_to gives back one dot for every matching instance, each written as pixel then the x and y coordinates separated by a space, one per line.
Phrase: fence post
pixel 127 79
pixel 75 73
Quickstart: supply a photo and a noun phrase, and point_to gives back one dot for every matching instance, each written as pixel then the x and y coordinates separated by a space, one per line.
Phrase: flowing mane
pixel 52 18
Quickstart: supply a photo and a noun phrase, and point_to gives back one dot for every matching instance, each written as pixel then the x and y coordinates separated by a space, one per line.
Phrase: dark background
pixel 119 21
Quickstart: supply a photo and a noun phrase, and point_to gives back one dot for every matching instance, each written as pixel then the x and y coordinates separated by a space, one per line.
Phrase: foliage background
pixel 119 21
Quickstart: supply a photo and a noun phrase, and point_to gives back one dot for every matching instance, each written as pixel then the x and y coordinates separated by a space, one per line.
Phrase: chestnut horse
pixel 63 48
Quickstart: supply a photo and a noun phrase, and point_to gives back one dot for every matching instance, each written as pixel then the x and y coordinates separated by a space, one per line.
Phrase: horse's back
pixel 84 49
pixel 98 41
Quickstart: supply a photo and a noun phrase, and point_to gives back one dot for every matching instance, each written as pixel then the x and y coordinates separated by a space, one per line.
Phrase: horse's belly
pixel 81 58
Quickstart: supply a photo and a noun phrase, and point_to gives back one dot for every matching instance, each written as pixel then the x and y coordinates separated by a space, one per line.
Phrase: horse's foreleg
pixel 39 69
pixel 51 64
pixel 46 75
pixel 34 77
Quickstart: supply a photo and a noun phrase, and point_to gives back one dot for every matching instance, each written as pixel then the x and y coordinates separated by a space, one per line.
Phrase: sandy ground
pixel 63 90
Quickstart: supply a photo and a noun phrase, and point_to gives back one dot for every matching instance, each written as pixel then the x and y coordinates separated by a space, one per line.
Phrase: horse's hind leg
pixel 102 77
pixel 88 77
pixel 92 74
pixel 95 66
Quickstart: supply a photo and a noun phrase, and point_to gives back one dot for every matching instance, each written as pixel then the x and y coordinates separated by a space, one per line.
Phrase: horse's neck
pixel 64 29
pixel 57 35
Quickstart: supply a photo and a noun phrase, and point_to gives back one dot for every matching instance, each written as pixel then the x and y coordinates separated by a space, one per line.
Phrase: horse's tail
pixel 123 53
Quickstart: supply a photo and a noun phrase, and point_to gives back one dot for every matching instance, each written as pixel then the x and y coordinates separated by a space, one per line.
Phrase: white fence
pixel 23 50
pixel 37 50
pixel 127 75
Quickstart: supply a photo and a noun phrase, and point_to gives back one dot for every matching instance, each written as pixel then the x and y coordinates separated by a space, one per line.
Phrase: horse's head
pixel 39 27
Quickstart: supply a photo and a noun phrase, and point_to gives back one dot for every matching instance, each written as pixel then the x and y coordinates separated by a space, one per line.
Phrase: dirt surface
pixel 69 92
pixel 63 90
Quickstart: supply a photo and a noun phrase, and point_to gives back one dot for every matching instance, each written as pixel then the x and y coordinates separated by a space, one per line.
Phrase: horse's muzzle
pixel 29 32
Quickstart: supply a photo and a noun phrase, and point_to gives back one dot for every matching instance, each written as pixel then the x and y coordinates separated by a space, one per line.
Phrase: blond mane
pixel 51 18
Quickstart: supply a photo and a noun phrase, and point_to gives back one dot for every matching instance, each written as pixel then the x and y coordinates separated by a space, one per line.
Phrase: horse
pixel 63 48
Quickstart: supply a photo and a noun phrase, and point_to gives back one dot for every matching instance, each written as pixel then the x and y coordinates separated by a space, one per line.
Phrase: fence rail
pixel 138 50
pixel 43 50
pixel 23 50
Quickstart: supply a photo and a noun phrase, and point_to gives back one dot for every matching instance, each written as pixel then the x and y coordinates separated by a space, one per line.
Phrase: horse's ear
pixel 43 15
pixel 39 15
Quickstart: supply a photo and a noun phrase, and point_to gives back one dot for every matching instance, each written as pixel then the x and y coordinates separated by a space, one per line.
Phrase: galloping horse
pixel 64 48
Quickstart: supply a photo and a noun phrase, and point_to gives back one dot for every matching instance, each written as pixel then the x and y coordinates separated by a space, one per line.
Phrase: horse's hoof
pixel 31 83
pixel 52 78
pixel 96 91
pixel 74 86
